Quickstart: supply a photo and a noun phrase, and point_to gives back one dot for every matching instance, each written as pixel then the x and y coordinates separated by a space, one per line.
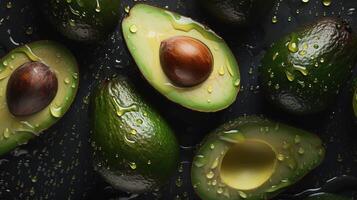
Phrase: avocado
pixel 237 12
pixel 327 197
pixel 38 83
pixel 303 72
pixel 134 148
pixel 253 158
pixel 82 20
pixel 182 59
pixel 354 100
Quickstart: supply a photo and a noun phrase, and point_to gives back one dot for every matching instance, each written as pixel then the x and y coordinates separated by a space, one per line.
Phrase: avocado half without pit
pixel 38 83
pixel 253 158
pixel 182 59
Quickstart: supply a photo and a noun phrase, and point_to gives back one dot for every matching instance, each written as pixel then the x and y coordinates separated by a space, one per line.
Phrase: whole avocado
pixel 134 148
pixel 237 12
pixel 303 72
pixel 82 20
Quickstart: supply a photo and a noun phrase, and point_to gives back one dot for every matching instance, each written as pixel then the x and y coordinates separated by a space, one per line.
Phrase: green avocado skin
pixel 306 80
pixel 130 162
pixel 82 20
pixel 328 197
pixel 237 12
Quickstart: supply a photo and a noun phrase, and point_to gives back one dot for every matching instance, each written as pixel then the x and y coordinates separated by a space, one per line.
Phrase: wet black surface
pixel 57 165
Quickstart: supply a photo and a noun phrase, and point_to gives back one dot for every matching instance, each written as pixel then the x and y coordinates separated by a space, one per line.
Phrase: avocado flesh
pixel 82 20
pixel 303 72
pixel 262 157
pixel 328 197
pixel 15 131
pixel 144 30
pixel 237 12
pixel 134 148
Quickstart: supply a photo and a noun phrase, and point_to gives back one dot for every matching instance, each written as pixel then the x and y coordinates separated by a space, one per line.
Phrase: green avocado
pixel 327 197
pixel 303 72
pixel 83 20
pixel 19 94
pixel 134 148
pixel 253 158
pixel 237 12
pixel 354 100
pixel 144 31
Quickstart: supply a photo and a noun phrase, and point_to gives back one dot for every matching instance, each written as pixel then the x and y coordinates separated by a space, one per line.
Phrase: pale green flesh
pixel 147 26
pixel 297 152
pixel 19 129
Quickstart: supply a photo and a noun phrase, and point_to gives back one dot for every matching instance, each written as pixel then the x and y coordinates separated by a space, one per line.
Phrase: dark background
pixel 57 165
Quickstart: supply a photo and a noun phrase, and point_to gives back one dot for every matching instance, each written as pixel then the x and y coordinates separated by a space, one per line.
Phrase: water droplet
pixel 9 5
pixel 280 157
pixel 212 146
pixel 275 55
pixel 301 151
pixel 292 46
pixel 199 161
pixel 133 28
pixel 132 165
pixel 297 139
pixel 133 132
pixel 305 1
pixel 215 163
pixel 326 2
pixel 242 194
pixel 237 82
pixel 149 162
pixel 209 89
pixel 34 179
pixel 29 30
pixel 220 190
pixel 221 71
pixel 210 175
pixel 97 9
pixel 290 76
pixel 274 20
pixel 127 9
pixel 6 133
pixel 56 111
pixel 67 81
pixel 72 22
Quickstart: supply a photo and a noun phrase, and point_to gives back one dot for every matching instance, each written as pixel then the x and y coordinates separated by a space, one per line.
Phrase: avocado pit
pixel 31 88
pixel 186 61
pixel 248 165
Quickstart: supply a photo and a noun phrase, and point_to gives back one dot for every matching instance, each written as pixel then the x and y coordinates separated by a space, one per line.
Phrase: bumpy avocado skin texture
pixel 354 100
pixel 83 20
pixel 15 131
pixel 237 12
pixel 301 151
pixel 144 30
pixel 134 148
pixel 328 197
pixel 305 79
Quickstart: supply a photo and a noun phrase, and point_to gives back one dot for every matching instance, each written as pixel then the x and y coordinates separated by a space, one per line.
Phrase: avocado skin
pixel 154 140
pixel 88 24
pixel 328 197
pixel 258 124
pixel 304 95
pixel 237 12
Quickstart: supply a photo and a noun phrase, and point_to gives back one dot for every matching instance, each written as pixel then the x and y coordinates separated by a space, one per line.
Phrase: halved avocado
pixel 19 121
pixel 82 20
pixel 144 31
pixel 253 158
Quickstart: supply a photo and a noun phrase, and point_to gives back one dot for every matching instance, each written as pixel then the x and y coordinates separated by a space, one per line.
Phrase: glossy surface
pixel 283 155
pixel 31 88
pixel 186 61
pixel 303 72
pixel 18 130
pixel 82 20
pixel 143 39
pixel 238 12
pixel 134 148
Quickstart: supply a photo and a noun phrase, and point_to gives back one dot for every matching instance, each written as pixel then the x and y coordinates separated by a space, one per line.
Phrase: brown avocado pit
pixel 186 61
pixel 31 88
